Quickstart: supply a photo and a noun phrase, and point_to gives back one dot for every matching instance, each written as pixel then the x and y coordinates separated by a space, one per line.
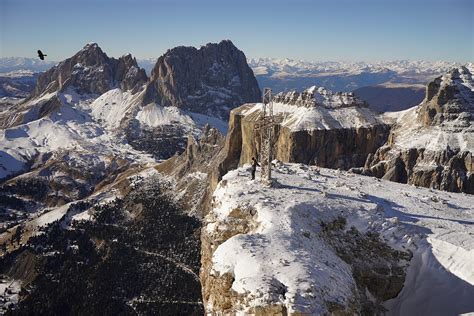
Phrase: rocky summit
pixel 92 71
pixel 431 145
pixel 449 99
pixel 210 80
pixel 80 78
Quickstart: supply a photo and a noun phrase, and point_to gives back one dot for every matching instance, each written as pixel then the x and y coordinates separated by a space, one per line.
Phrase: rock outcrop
pixel 210 80
pixel 315 127
pixel 446 169
pixel 431 145
pixel 196 170
pixel 449 99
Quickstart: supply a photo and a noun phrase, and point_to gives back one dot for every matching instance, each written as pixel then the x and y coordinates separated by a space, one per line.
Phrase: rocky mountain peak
pixel 318 96
pixel 210 80
pixel 91 54
pixel 431 144
pixel 449 99
pixel 91 71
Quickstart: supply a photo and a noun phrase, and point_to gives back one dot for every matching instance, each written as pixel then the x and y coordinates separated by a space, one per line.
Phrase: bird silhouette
pixel 41 55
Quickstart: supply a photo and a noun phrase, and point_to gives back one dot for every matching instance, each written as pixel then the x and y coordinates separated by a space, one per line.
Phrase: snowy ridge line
pixel 299 118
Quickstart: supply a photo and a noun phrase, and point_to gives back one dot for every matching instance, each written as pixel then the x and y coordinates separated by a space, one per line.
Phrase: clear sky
pixel 351 30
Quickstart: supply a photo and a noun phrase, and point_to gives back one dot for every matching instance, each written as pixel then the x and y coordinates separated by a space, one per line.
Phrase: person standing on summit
pixel 254 167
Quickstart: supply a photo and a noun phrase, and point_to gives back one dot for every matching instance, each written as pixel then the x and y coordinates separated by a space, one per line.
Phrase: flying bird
pixel 41 55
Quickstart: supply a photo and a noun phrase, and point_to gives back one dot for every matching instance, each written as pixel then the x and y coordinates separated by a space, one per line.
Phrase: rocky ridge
pixel 431 145
pixel 80 78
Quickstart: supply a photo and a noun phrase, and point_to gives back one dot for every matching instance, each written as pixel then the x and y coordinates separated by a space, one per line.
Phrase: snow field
pixel 284 248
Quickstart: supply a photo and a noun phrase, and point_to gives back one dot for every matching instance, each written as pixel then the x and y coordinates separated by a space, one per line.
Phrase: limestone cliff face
pixel 334 144
pixel 195 171
pixel 431 145
pixel 341 147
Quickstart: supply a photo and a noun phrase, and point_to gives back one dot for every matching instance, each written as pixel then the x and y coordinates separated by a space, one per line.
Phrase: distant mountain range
pixel 384 85
pixel 286 74
pixel 9 64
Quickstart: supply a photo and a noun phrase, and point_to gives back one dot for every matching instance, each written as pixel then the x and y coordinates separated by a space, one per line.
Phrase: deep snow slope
pixel 76 122
pixel 280 257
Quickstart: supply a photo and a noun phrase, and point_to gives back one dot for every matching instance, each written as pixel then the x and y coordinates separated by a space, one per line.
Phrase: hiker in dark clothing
pixel 254 167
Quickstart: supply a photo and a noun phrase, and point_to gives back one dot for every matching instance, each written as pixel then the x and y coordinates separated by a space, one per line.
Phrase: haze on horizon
pixel 367 30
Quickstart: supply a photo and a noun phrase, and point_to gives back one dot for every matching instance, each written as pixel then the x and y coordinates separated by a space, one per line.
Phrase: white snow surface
pixel 284 250
pixel 299 118
pixel 112 107
pixel 89 123
pixel 410 133
pixel 154 115
pixel 80 123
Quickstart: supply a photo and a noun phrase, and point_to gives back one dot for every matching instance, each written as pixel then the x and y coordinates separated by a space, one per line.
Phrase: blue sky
pixel 351 30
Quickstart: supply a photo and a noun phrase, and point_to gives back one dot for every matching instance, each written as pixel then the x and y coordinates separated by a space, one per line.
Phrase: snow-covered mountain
pixel 91 71
pixel 91 215
pixel 103 115
pixel 268 66
pixel 322 241
pixel 432 144
pixel 58 115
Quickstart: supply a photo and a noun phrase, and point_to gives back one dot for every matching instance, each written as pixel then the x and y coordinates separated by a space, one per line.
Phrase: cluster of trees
pixel 139 254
